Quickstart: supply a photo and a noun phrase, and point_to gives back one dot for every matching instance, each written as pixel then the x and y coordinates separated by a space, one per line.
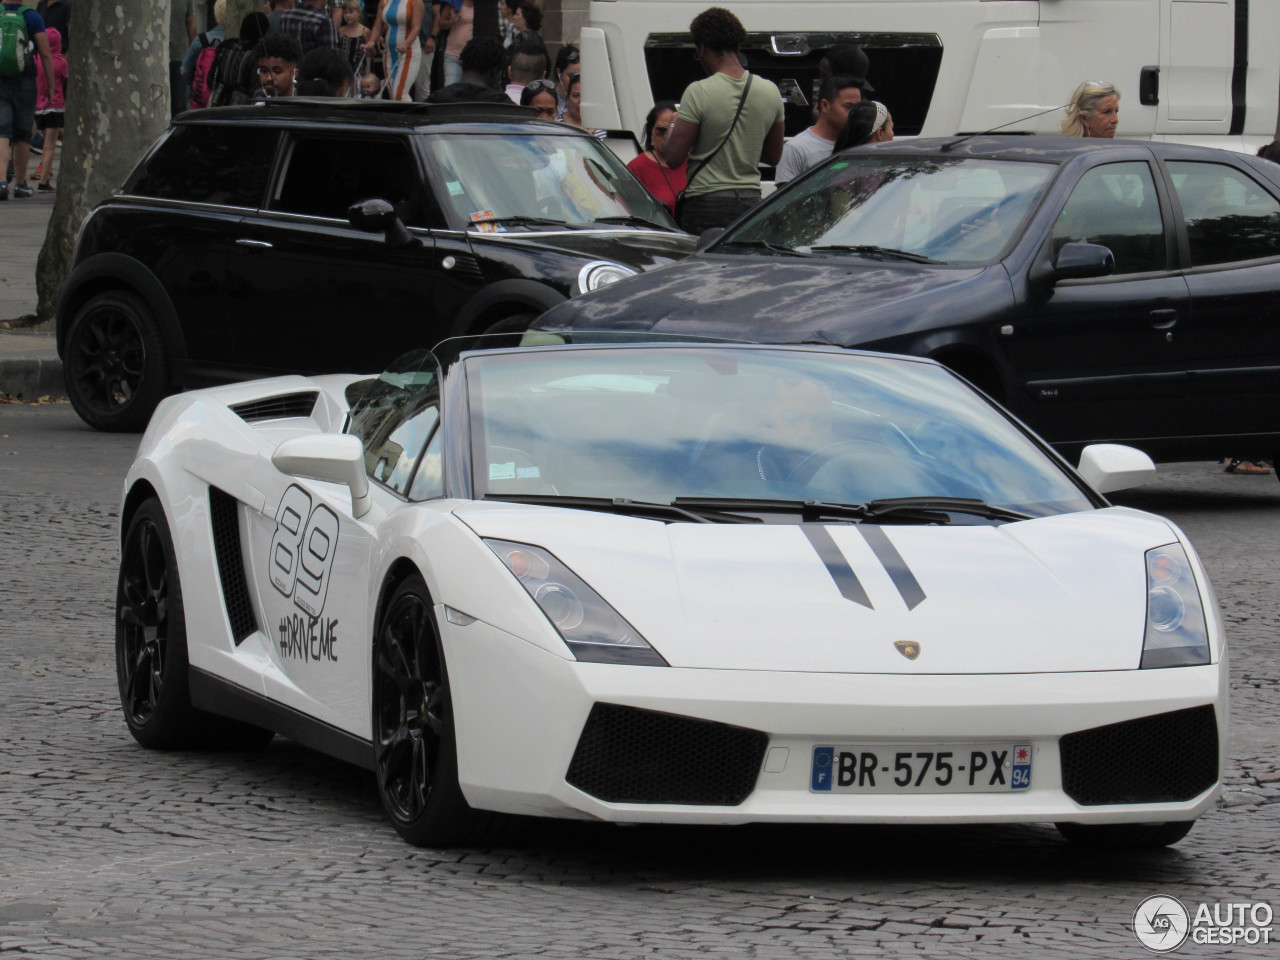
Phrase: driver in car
pixel 762 449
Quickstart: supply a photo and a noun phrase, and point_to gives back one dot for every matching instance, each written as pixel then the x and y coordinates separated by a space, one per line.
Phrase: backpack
pixel 15 46
pixel 200 79
pixel 226 80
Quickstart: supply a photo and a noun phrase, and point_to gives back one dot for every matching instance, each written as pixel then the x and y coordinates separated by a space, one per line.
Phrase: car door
pixel 314 294
pixel 1231 347
pixel 309 562
pixel 199 183
pixel 1094 357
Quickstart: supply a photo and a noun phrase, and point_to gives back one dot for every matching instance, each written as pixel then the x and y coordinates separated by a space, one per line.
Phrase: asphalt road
pixel 107 850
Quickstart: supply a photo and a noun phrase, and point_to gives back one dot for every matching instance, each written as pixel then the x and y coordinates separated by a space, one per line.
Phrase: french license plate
pixel 901 768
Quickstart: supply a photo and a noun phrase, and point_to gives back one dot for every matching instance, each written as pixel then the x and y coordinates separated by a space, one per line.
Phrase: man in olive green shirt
pixel 724 177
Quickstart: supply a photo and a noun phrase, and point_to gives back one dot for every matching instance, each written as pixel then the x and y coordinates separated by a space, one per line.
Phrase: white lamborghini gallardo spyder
pixel 662 581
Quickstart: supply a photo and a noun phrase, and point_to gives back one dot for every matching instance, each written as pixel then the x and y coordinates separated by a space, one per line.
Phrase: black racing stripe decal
pixel 893 564
pixel 846 580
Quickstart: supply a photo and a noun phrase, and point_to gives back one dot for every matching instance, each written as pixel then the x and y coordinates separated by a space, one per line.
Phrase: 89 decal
pixel 302 550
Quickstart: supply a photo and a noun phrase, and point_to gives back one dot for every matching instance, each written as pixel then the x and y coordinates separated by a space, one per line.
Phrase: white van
pixel 1197 71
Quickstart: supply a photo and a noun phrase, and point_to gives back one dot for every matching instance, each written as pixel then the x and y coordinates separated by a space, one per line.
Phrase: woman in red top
pixel 665 183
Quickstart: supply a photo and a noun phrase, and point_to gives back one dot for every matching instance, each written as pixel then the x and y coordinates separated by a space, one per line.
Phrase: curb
pixel 31 378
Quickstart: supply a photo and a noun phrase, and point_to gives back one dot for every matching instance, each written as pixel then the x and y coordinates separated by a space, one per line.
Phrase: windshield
pixel 943 209
pixel 495 183
pixel 658 423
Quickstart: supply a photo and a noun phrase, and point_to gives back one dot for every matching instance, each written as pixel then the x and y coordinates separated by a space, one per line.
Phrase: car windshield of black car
pixel 496 183
pixel 940 209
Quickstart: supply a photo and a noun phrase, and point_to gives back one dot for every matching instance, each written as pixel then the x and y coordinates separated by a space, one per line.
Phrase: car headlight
pixel 1176 634
pixel 592 629
pixel 601 273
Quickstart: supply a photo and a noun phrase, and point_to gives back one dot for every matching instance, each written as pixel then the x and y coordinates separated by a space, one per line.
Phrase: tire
pixel 1125 836
pixel 151 648
pixel 516 323
pixel 413 732
pixel 151 635
pixel 116 366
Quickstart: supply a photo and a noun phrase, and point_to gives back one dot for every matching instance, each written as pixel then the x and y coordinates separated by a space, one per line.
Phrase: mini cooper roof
pixel 375 113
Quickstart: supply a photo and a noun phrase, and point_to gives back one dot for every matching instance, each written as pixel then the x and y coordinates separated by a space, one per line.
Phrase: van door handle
pixel 256 244
pixel 1163 319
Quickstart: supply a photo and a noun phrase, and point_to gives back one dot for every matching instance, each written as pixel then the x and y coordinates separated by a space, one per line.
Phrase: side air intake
pixel 226 545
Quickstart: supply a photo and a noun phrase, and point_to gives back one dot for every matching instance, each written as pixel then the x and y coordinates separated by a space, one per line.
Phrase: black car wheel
pixel 151 634
pixel 516 323
pixel 416 754
pixel 151 647
pixel 116 368
pixel 1125 836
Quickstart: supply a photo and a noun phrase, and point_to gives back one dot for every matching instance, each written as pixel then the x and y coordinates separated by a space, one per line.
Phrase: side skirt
pixel 226 699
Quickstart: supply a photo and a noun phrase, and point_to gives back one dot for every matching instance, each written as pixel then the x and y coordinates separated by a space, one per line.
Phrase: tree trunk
pixel 485 23
pixel 118 104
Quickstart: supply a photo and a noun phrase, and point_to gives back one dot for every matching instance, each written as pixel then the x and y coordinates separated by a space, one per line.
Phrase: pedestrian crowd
pixel 389 49
pixel 33 88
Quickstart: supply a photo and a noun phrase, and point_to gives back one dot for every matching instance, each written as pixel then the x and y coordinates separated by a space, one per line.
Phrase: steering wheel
pixel 805 470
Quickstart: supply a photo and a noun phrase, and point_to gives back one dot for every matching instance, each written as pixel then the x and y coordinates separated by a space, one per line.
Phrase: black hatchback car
pixel 317 236
pixel 1102 290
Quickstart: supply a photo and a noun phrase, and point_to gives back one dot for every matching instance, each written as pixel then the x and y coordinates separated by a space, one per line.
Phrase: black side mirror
pixel 709 236
pixel 1079 261
pixel 376 215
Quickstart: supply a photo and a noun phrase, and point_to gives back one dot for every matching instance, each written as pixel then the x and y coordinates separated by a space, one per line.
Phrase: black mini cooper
pixel 317 236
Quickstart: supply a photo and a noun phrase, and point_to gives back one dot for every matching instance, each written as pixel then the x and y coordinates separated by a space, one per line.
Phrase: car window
pixel 953 210
pixel 482 179
pixel 1116 205
pixel 219 163
pixel 395 418
pixel 656 423
pixel 1228 215
pixel 324 175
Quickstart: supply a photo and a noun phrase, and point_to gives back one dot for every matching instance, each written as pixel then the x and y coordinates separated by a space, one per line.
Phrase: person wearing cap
pixel 847 60
pixel 836 97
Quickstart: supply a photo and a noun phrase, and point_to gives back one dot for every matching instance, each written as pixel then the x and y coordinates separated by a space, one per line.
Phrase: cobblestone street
pixel 109 850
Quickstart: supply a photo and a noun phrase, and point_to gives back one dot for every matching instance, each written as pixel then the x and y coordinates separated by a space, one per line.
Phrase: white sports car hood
pixel 1064 593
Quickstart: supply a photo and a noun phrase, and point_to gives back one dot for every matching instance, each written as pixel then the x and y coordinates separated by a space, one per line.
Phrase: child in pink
pixel 50 105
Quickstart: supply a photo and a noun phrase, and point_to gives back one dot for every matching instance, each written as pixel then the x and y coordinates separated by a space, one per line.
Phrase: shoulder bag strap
pixel 712 155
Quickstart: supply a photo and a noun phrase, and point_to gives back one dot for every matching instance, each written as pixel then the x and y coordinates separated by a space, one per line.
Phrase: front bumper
pixel 520 712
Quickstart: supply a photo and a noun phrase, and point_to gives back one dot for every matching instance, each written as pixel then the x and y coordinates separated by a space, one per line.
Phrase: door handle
pixel 1163 319
pixel 256 244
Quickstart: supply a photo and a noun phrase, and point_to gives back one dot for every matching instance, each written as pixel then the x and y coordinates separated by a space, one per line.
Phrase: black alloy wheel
pixel 116 368
pixel 1125 836
pixel 516 323
pixel 151 634
pixel 416 755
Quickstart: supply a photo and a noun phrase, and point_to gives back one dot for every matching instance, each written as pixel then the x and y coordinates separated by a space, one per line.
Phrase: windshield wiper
pixel 896 509
pixel 626 507
pixel 519 221
pixel 875 509
pixel 809 510
pixel 635 221
pixel 766 245
pixel 871 250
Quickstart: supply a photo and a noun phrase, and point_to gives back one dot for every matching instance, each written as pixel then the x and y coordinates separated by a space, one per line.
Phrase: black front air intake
pixel 629 755
pixel 281 407
pixel 1168 758
pixel 226 546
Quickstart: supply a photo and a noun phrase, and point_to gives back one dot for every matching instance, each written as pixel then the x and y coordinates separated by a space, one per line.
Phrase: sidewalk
pixel 29 364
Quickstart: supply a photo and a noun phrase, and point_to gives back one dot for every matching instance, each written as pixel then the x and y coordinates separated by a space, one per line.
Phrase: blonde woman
pixel 1094 111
